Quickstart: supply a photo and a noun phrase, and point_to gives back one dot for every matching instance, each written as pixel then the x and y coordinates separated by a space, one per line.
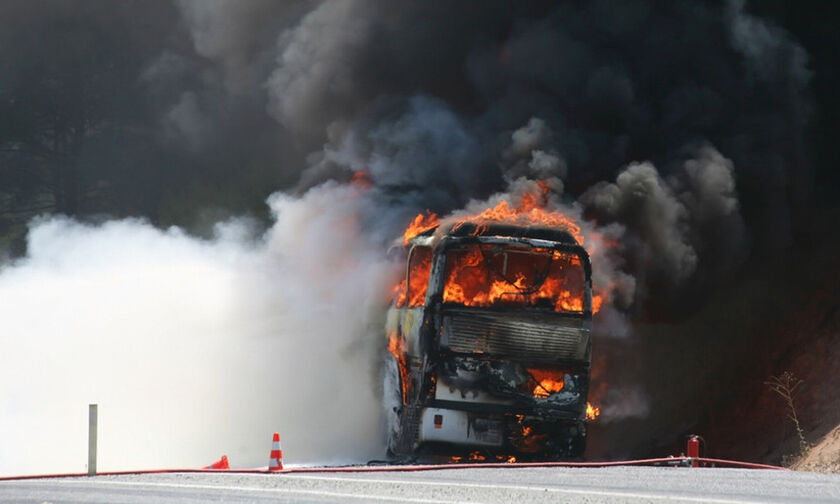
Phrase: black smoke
pixel 681 129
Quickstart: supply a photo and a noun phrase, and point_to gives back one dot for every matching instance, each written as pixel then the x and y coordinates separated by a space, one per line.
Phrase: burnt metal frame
pixel 433 313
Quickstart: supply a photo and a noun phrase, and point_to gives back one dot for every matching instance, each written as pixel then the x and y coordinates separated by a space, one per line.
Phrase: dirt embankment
pixel 814 357
pixel 823 456
pixel 800 335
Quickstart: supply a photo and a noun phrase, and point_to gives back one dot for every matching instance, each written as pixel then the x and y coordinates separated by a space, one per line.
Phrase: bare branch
pixel 786 386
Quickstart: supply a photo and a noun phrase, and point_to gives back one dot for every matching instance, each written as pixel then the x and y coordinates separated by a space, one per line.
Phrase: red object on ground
pixel 693 449
pixel 275 462
pixel 665 461
pixel 222 463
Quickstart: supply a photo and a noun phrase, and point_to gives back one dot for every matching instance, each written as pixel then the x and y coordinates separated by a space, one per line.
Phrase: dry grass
pixel 786 386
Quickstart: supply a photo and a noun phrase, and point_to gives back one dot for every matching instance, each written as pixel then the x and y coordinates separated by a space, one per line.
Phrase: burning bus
pixel 489 346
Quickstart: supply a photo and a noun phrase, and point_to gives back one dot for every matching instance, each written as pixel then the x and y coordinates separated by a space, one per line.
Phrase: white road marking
pixel 576 491
pixel 555 490
pixel 275 490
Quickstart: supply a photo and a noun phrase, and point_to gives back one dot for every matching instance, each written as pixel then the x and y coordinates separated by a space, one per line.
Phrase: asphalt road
pixel 490 485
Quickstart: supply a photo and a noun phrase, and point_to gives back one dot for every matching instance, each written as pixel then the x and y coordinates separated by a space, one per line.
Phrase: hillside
pixel 823 456
pixel 804 340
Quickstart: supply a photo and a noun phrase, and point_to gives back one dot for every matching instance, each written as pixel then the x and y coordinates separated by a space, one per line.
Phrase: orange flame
pixel 529 212
pixel 549 381
pixel 530 442
pixel 361 179
pixel 396 347
pixel 469 283
pixel 422 222
pixel 518 276
pixel 472 457
pixel 597 301
pixel 548 387
pixel 420 264
pixel 592 412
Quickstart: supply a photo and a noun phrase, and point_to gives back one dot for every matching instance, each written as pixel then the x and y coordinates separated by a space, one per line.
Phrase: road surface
pixel 489 485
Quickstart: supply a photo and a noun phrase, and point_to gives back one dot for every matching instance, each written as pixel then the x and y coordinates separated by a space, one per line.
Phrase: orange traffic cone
pixel 275 462
pixel 222 463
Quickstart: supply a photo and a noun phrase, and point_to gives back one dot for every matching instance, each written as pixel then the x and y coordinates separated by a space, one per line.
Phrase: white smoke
pixel 622 402
pixel 194 348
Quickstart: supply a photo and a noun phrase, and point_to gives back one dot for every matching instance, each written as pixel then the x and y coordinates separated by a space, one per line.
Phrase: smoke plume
pixel 193 348
pixel 672 134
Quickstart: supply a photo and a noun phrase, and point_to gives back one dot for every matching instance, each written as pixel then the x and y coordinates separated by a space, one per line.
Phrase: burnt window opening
pixel 484 275
pixel 417 278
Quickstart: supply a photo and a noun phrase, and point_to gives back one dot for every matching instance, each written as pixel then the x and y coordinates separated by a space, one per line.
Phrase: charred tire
pixel 405 443
pixel 402 420
pixel 576 446
pixel 568 443
pixel 575 441
pixel 392 404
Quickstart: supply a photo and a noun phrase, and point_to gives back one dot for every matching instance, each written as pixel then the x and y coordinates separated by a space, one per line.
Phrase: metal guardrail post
pixel 92 425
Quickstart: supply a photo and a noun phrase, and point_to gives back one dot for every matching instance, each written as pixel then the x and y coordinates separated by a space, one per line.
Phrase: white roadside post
pixel 92 413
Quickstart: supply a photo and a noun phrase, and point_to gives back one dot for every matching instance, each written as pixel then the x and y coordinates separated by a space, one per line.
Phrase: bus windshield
pixel 487 275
